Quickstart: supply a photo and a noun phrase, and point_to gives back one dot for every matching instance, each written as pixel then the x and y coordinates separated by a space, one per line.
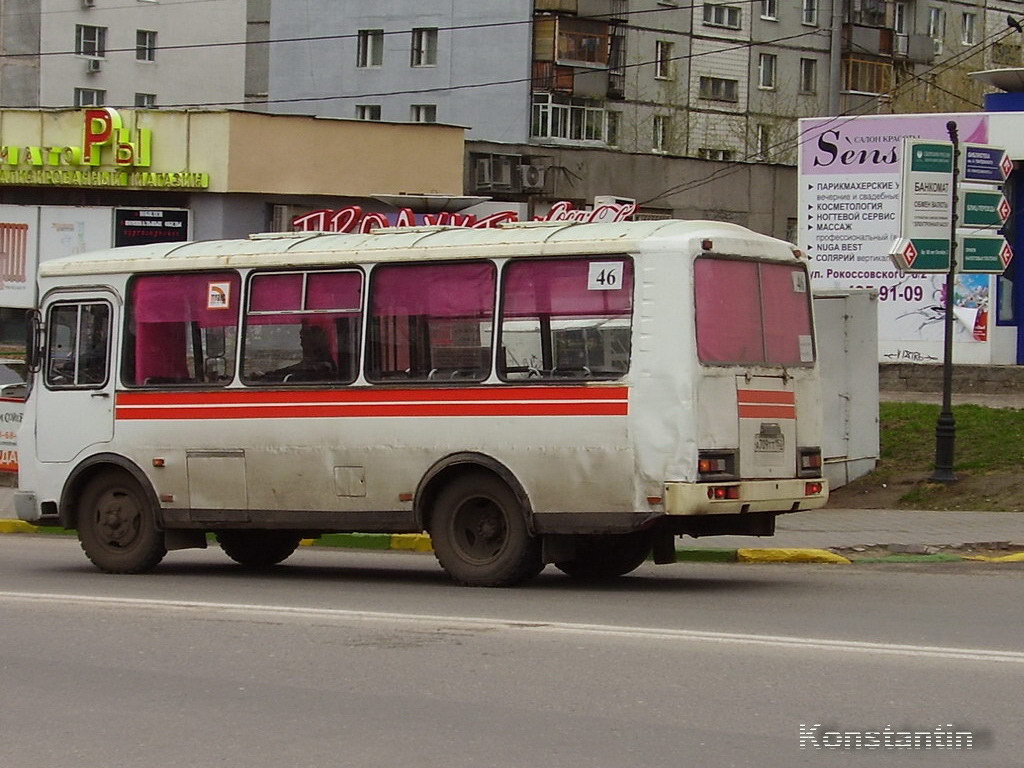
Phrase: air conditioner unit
pixel 88 3
pixel 94 65
pixel 531 176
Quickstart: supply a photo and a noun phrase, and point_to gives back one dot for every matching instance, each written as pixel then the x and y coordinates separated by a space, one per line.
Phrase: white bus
pixel 544 392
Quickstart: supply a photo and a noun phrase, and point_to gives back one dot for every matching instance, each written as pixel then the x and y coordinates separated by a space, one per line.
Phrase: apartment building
pixel 132 53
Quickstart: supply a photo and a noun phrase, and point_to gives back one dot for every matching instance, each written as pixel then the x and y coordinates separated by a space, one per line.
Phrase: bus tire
pixel 258 549
pixel 117 526
pixel 479 533
pixel 607 556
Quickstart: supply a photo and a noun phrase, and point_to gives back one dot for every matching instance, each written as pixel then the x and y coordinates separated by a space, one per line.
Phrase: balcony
pixel 867 76
pixel 571 42
pixel 605 9
pixel 859 39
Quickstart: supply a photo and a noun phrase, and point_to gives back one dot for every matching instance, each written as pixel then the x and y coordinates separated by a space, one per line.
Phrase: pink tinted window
pixel 566 318
pixel 752 313
pixel 182 328
pixel 728 311
pixel 787 316
pixel 431 322
pixel 303 328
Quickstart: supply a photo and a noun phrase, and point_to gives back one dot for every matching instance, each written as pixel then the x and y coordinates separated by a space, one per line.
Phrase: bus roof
pixel 301 249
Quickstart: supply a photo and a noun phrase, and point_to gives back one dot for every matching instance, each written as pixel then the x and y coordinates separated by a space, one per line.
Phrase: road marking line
pixel 483 623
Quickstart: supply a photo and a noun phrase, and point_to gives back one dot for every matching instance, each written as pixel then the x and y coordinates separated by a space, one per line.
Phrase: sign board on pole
pixel 927 206
pixel 983 208
pixel 984 164
pixel 983 253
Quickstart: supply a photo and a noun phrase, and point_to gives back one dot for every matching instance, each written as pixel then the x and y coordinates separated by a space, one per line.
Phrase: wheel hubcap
pixel 480 530
pixel 117 519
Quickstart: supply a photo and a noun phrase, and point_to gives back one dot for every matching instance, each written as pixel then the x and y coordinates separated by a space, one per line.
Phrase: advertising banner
pixel 850 206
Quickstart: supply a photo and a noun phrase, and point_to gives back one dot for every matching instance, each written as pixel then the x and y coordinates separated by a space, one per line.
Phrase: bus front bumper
pixel 789 495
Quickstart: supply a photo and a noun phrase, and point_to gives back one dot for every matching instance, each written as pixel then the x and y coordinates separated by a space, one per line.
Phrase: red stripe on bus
pixel 776 396
pixel 311 411
pixel 253 397
pixel 767 412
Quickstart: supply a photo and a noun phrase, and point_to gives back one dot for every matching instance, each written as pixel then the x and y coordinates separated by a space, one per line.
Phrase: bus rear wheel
pixel 117 525
pixel 480 536
pixel 258 549
pixel 607 556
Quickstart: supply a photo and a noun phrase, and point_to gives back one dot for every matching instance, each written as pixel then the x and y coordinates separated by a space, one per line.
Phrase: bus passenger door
pixel 75 389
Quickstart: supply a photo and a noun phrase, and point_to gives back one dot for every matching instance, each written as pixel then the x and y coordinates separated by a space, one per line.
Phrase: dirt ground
pixel 987 491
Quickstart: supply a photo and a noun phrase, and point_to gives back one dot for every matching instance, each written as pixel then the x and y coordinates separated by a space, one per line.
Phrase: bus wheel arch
pixel 451 467
pixel 86 472
pixel 479 525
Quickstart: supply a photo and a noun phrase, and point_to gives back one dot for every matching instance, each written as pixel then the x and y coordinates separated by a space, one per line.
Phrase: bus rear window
pixel 752 313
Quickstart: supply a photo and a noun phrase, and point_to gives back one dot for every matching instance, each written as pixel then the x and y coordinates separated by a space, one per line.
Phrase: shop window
pixel 182 329
pixel 430 322
pixel 566 319
pixel 303 327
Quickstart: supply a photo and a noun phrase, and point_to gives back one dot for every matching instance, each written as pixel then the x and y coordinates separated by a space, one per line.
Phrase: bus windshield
pixel 752 313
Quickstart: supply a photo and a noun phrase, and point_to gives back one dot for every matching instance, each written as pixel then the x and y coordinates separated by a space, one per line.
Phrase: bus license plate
pixel 769 443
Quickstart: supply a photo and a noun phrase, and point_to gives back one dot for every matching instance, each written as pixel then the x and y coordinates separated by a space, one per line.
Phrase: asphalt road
pixel 374 659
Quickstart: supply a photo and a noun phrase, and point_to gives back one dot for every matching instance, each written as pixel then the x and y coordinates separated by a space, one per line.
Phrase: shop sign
pixel 105 142
pixel 141 226
pixel 352 218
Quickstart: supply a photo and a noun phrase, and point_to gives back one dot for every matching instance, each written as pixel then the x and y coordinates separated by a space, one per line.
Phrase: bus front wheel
pixel 480 536
pixel 117 525
pixel 258 549
pixel 607 556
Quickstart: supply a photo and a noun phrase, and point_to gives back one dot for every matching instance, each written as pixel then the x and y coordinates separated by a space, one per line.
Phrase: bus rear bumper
pixel 790 495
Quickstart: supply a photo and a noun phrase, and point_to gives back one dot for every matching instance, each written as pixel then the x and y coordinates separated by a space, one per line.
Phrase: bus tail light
pixel 716 465
pixel 812 489
pixel 810 462
pixel 724 492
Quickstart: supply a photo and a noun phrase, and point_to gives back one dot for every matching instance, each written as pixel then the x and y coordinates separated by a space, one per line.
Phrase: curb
pixel 420 542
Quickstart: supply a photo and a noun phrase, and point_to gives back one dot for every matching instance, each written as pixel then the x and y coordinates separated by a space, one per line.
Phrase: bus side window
pixel 182 329
pixel 431 322
pixel 566 318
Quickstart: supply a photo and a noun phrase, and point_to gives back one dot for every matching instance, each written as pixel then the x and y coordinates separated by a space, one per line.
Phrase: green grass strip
pixel 699 555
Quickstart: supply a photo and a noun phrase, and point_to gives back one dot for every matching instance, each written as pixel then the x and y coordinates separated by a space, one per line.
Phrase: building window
pixel 937 27
pixel 660 138
pixel 719 89
pixel 763 141
pixel 663 60
pixel 145 100
pixel 423 113
pixel 424 47
pixel 145 45
pixel 808 76
pixel 899 18
pixel 970 35
pixel 367 111
pixel 90 97
pixel 766 71
pixel 611 130
pixel 370 48
pixel 810 12
pixel 557 116
pixel 770 10
pixel 714 153
pixel 90 41
pixel 722 15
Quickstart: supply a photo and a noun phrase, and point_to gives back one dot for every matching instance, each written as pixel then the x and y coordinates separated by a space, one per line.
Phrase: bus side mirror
pixel 33 340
